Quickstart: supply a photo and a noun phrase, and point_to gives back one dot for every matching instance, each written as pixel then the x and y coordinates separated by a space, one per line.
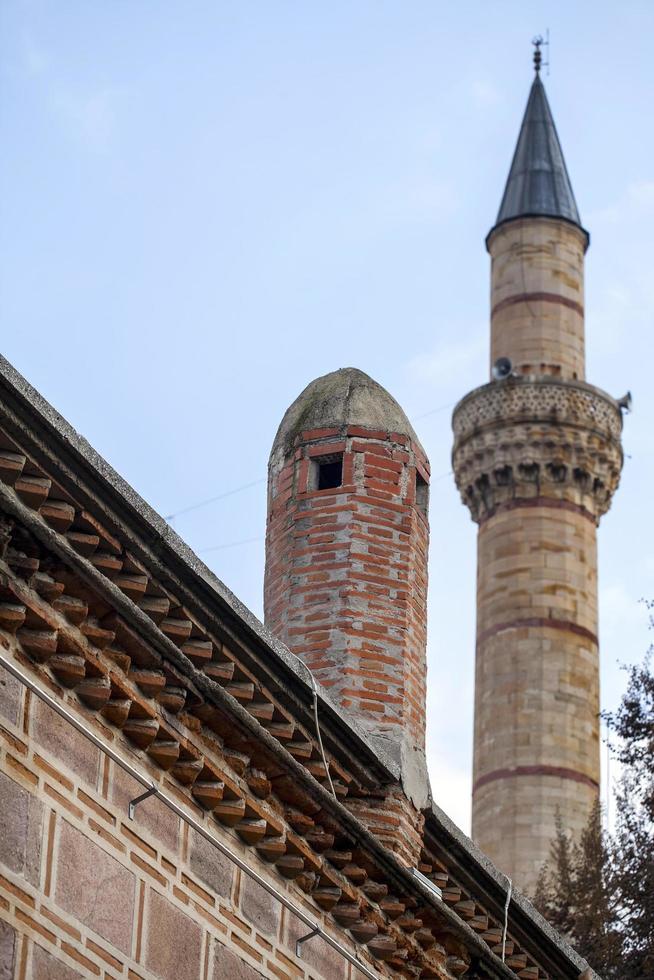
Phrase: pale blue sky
pixel 204 205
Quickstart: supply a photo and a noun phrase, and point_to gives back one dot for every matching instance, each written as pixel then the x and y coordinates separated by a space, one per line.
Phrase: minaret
pixel 537 458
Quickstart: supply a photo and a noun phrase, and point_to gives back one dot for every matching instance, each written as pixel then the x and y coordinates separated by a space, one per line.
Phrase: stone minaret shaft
pixel 537 458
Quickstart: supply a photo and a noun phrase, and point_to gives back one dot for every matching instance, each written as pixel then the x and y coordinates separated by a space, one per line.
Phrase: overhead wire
pixel 213 500
pixel 255 483
pixel 231 544
pixel 260 537
pixel 433 411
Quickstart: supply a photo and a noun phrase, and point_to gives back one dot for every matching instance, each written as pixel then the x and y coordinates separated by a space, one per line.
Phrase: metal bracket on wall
pixel 139 799
pixel 304 939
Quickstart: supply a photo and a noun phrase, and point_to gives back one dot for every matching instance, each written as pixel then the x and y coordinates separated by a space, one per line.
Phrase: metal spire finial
pixel 538 181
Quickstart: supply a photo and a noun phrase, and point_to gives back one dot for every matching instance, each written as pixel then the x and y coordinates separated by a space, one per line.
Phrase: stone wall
pixel 86 892
pixel 537 684
pixel 537 458
pixel 537 296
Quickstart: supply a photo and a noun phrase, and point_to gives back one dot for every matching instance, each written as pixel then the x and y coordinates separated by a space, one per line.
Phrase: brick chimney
pixel 346 558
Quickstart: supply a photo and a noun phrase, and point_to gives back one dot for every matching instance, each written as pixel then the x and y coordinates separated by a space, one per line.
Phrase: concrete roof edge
pixel 161 538
pixel 467 851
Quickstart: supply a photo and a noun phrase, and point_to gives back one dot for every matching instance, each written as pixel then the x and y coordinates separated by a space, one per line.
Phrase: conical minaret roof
pixel 538 182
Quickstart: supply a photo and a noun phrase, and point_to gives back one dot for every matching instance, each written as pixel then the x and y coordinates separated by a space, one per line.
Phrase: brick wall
pixel 346 575
pixel 346 589
pixel 85 892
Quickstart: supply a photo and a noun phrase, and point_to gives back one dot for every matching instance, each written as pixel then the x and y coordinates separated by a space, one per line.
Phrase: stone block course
pixel 94 887
pixel 228 966
pixel 537 296
pixel 59 740
pixel 45 966
pixel 260 907
pixel 174 941
pixel 21 830
pixel 10 697
pixel 7 950
pixel 210 866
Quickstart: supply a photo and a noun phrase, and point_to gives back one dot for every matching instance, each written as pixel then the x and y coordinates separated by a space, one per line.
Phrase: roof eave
pixel 555 955
pixel 76 460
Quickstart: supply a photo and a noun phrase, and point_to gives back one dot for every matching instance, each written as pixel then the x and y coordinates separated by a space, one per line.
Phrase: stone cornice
pixel 537 437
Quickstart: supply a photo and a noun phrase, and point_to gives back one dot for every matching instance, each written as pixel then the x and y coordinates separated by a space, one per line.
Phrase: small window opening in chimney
pixel 328 472
pixel 422 495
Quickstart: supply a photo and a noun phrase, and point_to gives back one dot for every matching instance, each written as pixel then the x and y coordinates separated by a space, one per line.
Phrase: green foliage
pixel 599 892
pixel 576 894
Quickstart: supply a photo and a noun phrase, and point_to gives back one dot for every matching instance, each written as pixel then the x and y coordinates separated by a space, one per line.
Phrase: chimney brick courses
pixel 346 576
pixel 346 585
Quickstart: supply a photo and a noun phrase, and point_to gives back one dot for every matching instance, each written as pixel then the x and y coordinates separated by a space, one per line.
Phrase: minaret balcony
pixel 537 437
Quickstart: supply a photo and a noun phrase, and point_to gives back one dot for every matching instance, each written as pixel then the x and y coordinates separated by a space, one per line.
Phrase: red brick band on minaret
pixel 541 770
pixel 538 297
pixel 552 502
pixel 539 622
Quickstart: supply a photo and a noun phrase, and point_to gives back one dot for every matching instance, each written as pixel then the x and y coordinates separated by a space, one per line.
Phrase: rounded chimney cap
pixel 343 398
